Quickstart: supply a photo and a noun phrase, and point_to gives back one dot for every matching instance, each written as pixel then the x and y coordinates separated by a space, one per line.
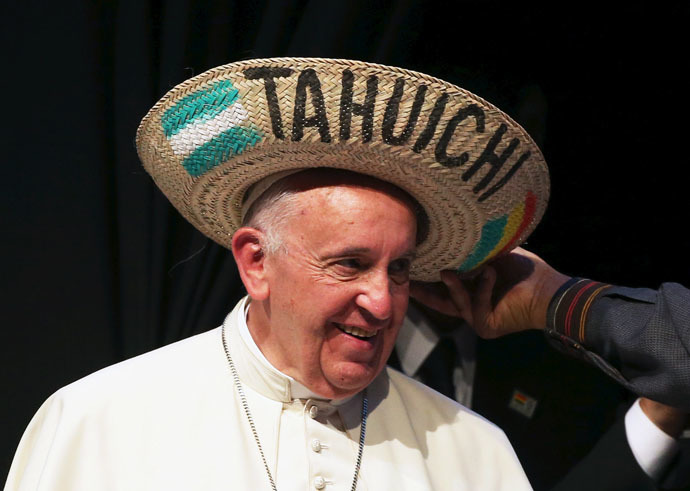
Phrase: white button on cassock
pixel 319 482
pixel 316 445
pixel 313 412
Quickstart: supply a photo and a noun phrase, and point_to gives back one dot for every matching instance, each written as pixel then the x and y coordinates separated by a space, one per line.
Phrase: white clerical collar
pixel 297 390
pixel 255 370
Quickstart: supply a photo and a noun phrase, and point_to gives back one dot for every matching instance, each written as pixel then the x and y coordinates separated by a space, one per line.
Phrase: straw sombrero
pixel 479 177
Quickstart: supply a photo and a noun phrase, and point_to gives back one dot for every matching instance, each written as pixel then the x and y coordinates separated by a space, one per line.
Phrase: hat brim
pixel 479 177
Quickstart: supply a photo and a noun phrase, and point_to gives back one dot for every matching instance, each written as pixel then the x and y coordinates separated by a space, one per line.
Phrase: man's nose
pixel 375 296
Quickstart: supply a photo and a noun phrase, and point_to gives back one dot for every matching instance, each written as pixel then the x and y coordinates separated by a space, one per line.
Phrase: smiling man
pixel 348 241
pixel 292 392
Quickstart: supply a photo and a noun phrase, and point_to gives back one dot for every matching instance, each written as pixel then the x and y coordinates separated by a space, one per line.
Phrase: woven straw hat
pixel 479 177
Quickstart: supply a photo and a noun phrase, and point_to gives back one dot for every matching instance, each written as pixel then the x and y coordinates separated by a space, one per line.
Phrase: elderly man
pixel 328 289
pixel 328 285
pixel 327 225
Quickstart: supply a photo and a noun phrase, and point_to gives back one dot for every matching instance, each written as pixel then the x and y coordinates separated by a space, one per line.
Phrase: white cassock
pixel 172 419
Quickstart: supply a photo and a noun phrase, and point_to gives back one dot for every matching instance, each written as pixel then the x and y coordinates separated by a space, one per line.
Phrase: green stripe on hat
pixel 216 151
pixel 492 231
pixel 206 104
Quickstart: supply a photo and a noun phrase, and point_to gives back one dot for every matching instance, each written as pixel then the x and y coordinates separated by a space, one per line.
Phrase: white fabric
pixel 417 339
pixel 297 390
pixel 172 419
pixel 653 449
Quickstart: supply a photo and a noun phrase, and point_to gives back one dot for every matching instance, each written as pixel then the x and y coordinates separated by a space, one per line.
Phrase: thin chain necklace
pixel 245 406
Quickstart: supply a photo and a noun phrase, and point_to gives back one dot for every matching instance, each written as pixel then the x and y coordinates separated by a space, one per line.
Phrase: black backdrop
pixel 97 267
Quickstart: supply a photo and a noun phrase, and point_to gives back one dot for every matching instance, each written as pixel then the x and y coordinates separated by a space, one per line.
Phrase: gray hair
pixel 271 211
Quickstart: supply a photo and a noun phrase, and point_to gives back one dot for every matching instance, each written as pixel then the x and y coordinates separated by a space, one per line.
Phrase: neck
pixel 259 327
pixel 258 324
pixel 260 330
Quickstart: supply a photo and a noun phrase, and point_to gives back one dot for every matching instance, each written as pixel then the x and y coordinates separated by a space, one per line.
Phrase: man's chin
pixel 351 379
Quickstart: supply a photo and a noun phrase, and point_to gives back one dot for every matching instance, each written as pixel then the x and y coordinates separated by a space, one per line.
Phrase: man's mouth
pixel 355 331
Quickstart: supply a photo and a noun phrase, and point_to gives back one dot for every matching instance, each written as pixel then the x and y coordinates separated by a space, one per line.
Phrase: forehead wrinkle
pixel 329 180
pixel 356 251
pixel 315 204
pixel 348 251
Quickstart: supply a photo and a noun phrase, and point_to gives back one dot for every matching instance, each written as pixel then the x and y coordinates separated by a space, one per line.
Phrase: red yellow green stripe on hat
pixel 209 126
pixel 501 234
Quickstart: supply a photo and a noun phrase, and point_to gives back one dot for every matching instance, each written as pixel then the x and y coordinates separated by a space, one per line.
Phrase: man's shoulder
pixel 424 403
pixel 131 421
pixel 168 369
pixel 454 440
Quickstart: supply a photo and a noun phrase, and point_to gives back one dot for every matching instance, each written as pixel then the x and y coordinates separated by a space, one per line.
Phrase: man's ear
pixel 250 259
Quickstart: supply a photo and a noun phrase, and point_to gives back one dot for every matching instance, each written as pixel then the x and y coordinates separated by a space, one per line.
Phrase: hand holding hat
pixel 508 295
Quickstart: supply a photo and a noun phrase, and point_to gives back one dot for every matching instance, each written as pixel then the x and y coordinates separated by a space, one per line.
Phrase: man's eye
pixel 354 264
pixel 400 270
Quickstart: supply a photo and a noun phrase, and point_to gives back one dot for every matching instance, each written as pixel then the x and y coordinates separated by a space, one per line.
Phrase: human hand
pixel 511 294
pixel 668 419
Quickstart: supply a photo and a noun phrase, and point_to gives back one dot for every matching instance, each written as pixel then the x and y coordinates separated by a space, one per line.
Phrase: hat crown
pixel 479 177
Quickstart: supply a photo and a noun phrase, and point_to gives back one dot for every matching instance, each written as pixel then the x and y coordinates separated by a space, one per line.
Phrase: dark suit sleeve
pixel 638 336
pixel 610 465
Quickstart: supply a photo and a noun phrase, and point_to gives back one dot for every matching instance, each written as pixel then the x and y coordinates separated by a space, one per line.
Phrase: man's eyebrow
pixel 356 251
pixel 349 251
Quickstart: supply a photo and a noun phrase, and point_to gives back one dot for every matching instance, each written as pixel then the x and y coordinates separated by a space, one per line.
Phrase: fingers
pixel 450 297
pixel 458 295
pixel 525 253
pixel 669 419
pixel 486 286
pixel 481 306
pixel 453 298
pixel 434 296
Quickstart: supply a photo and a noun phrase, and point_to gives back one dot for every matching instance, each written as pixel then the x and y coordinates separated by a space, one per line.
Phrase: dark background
pixel 97 267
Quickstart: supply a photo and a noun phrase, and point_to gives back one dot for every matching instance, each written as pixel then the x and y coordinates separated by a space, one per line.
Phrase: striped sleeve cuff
pixel 568 309
pixel 566 323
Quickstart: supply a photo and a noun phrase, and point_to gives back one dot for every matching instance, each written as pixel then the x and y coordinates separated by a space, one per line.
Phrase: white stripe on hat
pixel 195 134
